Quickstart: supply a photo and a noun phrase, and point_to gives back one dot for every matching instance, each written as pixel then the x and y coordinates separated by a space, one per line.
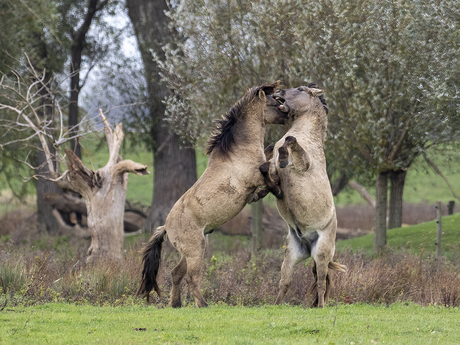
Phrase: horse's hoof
pixel 283 164
pixel 290 140
pixel 264 168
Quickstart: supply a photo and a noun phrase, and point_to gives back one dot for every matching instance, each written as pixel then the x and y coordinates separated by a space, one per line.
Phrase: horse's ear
pixel 314 91
pixel 262 95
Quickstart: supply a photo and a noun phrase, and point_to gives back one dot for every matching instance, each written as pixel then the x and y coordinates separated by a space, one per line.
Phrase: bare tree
pixel 104 190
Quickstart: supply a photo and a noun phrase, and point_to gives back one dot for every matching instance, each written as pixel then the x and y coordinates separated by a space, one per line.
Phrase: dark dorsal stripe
pixel 223 138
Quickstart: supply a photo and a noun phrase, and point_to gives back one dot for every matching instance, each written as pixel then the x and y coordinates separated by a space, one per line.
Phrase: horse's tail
pixel 335 266
pixel 151 257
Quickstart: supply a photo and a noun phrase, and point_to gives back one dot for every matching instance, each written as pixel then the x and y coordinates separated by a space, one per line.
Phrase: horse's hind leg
pixel 178 274
pixel 294 253
pixel 322 282
pixel 322 256
pixel 195 261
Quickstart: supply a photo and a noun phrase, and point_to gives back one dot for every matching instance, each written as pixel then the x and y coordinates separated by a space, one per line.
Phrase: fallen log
pixel 67 203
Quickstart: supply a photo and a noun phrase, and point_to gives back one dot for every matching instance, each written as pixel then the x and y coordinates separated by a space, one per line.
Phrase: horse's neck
pixel 308 127
pixel 251 131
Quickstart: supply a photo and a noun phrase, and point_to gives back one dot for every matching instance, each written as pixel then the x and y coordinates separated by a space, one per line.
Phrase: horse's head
pixel 272 115
pixel 300 100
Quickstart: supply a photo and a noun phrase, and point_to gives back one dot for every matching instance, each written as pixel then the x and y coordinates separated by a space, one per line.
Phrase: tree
pixel 389 70
pixel 174 160
pixel 104 190
pixel 52 33
pixel 77 17
pixel 389 77
pixel 32 27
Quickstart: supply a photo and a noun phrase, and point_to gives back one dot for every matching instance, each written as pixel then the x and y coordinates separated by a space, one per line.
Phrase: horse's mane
pixel 321 97
pixel 223 138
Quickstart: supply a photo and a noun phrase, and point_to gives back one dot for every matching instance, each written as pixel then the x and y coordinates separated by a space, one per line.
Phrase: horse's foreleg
pixel 178 274
pixel 268 151
pixel 300 158
pixel 194 266
pixel 293 254
pixel 260 193
pixel 271 180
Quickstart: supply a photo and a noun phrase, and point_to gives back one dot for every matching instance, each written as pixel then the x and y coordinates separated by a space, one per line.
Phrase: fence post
pixel 256 226
pixel 438 228
pixel 450 207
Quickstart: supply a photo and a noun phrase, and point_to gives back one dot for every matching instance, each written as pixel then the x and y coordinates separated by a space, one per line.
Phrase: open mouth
pixel 281 104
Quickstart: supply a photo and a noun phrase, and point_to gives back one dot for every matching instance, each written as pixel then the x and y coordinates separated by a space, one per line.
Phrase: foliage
pixel 389 69
pixel 348 324
pixel 30 27
pixel 26 27
pixel 37 35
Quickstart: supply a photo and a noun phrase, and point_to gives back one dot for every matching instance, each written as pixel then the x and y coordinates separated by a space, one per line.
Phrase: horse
pixel 236 150
pixel 295 173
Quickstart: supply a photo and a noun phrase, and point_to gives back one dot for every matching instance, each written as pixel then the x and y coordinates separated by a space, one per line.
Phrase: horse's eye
pixel 300 88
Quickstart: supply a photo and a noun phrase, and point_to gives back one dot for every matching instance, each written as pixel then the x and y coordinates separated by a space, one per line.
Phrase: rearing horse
pixel 297 176
pixel 235 153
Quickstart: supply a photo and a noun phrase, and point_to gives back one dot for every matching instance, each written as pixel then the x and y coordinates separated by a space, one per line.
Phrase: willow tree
pixel 390 72
pixel 389 69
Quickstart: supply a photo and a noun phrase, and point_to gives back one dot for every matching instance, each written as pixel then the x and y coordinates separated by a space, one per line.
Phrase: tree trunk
pixel 104 191
pixel 174 167
pixel 397 179
pixel 339 184
pixel 105 219
pixel 74 94
pixel 78 40
pixel 174 174
pixel 45 219
pixel 380 227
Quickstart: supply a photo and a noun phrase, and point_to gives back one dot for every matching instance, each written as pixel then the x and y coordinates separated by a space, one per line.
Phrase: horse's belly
pixel 306 205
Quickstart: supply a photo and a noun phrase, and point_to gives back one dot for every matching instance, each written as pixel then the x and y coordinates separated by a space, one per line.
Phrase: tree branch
pixel 79 171
pixel 438 171
pixel 363 192
pixel 128 165
pixel 397 146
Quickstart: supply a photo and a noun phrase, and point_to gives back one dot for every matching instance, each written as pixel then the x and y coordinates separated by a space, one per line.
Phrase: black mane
pixel 223 137
pixel 321 98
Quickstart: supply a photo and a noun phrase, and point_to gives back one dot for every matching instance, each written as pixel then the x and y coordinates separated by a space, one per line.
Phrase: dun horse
pixel 231 177
pixel 296 174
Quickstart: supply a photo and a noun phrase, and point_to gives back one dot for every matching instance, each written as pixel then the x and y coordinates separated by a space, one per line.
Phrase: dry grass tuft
pixel 46 269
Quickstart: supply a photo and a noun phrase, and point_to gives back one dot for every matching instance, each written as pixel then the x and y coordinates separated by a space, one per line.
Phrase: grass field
pixel 348 324
pixel 413 238
pixel 422 184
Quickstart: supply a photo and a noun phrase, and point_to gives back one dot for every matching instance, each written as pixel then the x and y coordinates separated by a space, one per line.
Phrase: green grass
pixel 413 238
pixel 354 324
pixel 422 184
